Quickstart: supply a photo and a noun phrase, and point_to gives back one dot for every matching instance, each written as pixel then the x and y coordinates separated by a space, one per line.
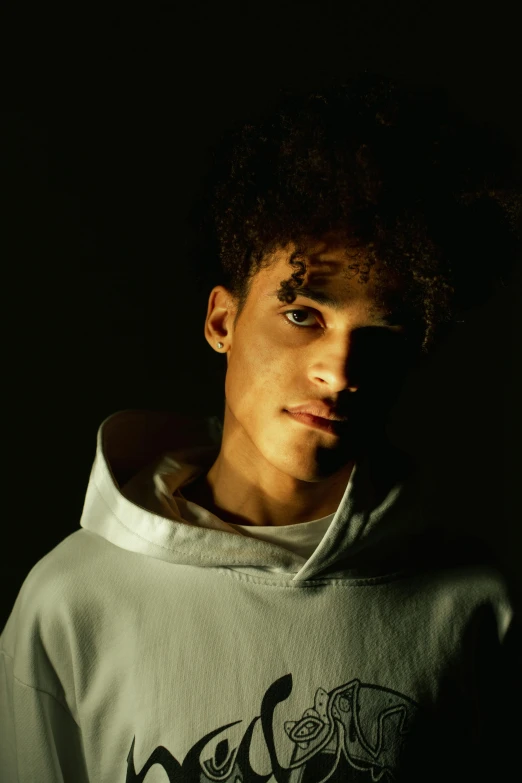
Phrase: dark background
pixel 101 151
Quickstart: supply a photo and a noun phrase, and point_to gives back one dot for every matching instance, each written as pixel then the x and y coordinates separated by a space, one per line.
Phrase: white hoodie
pixel 158 643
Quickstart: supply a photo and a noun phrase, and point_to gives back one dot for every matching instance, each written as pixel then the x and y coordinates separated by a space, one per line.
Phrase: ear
pixel 219 321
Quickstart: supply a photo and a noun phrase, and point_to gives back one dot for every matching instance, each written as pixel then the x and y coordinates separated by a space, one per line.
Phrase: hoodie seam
pixel 40 690
pixel 332 582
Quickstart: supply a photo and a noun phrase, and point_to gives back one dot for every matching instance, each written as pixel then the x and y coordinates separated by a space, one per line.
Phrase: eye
pixel 292 323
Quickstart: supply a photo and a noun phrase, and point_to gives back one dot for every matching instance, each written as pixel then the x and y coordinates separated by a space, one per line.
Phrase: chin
pixel 309 462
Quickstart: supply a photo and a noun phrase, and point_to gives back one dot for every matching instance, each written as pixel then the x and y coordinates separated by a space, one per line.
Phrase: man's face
pixel 347 357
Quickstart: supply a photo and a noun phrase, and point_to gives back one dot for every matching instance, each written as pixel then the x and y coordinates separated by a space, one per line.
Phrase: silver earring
pixel 220 345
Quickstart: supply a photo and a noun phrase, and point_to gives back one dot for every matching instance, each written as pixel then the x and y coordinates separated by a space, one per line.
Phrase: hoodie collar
pixel 379 514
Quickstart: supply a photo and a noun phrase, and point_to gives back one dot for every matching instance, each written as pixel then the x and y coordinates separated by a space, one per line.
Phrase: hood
pixel 134 500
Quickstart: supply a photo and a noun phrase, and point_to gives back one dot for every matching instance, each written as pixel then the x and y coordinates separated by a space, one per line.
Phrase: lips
pixel 317 409
pixel 317 422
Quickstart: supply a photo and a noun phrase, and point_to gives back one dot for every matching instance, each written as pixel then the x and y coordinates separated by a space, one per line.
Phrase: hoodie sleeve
pixel 39 740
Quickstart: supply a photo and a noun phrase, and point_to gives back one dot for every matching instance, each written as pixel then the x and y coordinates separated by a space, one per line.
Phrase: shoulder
pixel 55 589
pixel 63 567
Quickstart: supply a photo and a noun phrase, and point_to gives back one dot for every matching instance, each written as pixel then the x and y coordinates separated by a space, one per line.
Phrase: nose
pixel 335 367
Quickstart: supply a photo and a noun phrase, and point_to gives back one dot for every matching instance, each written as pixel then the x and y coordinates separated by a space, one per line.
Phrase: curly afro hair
pixel 429 199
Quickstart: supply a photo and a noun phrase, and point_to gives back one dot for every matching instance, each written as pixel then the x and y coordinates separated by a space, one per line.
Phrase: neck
pixel 209 493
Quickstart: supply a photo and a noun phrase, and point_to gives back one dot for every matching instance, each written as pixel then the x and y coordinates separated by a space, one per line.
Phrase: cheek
pixel 256 375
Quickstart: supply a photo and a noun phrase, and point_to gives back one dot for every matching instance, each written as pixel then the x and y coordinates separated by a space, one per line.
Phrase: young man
pixel 268 596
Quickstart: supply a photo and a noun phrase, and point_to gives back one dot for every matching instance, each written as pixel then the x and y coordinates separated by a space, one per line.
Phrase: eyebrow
pixel 323 298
